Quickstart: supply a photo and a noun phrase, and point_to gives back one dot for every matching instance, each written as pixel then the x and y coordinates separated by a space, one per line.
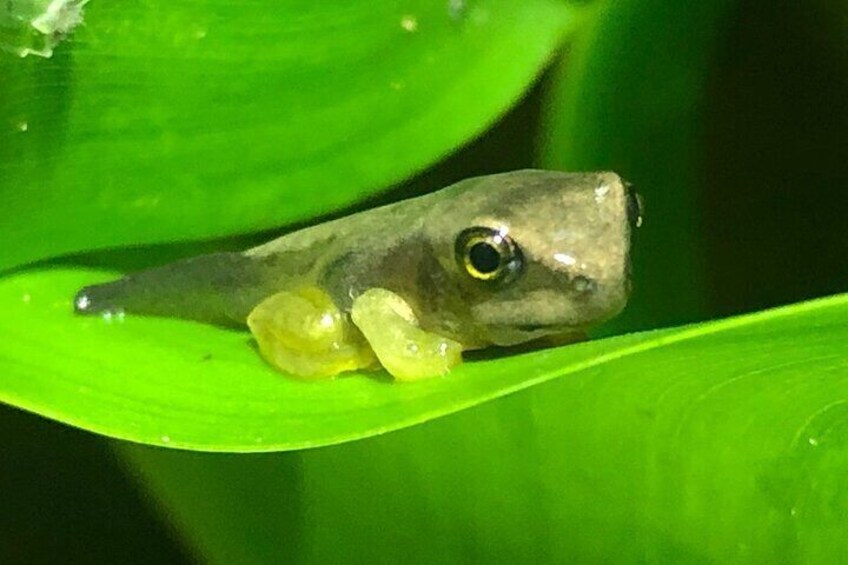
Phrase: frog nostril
pixel 583 285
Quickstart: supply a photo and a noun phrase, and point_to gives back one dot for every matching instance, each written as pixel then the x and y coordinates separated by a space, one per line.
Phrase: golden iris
pixel 488 254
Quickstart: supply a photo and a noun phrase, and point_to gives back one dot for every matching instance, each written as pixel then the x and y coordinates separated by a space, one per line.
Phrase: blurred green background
pixel 742 104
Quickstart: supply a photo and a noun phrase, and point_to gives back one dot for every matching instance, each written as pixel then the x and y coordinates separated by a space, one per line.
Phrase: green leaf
pixel 685 453
pixel 180 384
pixel 721 442
pixel 161 121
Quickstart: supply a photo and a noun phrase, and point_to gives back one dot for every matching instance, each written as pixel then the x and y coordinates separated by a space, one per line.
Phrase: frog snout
pixel 599 299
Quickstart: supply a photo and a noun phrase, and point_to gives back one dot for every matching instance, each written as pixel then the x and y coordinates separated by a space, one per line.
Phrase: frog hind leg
pixel 304 334
pixel 408 352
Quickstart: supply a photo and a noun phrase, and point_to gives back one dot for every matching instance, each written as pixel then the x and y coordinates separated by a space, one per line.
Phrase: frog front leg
pixel 406 351
pixel 303 333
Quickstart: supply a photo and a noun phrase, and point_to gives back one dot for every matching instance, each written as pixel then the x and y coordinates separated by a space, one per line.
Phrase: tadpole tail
pixel 219 288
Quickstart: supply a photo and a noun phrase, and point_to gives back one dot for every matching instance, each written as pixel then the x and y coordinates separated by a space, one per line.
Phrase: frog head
pixel 536 253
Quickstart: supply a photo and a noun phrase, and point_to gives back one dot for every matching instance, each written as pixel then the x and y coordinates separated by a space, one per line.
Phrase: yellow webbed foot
pixel 303 333
pixel 404 349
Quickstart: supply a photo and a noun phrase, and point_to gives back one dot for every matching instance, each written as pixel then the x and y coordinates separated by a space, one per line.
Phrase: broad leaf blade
pixel 720 447
pixel 722 442
pixel 180 384
pixel 160 121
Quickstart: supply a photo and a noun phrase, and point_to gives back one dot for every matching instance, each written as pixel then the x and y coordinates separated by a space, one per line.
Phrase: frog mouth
pixel 535 327
pixel 529 328
pixel 515 335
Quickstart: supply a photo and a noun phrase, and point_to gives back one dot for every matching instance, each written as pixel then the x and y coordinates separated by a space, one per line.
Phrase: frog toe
pixel 304 334
pixel 408 352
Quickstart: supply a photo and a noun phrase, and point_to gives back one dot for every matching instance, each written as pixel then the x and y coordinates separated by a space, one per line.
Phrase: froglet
pixel 495 260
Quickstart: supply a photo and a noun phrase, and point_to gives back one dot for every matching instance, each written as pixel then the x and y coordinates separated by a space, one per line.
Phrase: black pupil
pixel 484 257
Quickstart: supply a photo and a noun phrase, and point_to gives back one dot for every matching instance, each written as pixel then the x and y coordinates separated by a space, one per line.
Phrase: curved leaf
pixel 179 384
pixel 158 121
pixel 722 442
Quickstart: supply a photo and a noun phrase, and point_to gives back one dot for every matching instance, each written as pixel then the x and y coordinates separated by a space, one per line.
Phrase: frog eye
pixel 634 207
pixel 487 254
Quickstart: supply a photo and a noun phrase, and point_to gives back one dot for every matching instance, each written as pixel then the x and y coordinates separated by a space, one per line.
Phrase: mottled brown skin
pixel 572 229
